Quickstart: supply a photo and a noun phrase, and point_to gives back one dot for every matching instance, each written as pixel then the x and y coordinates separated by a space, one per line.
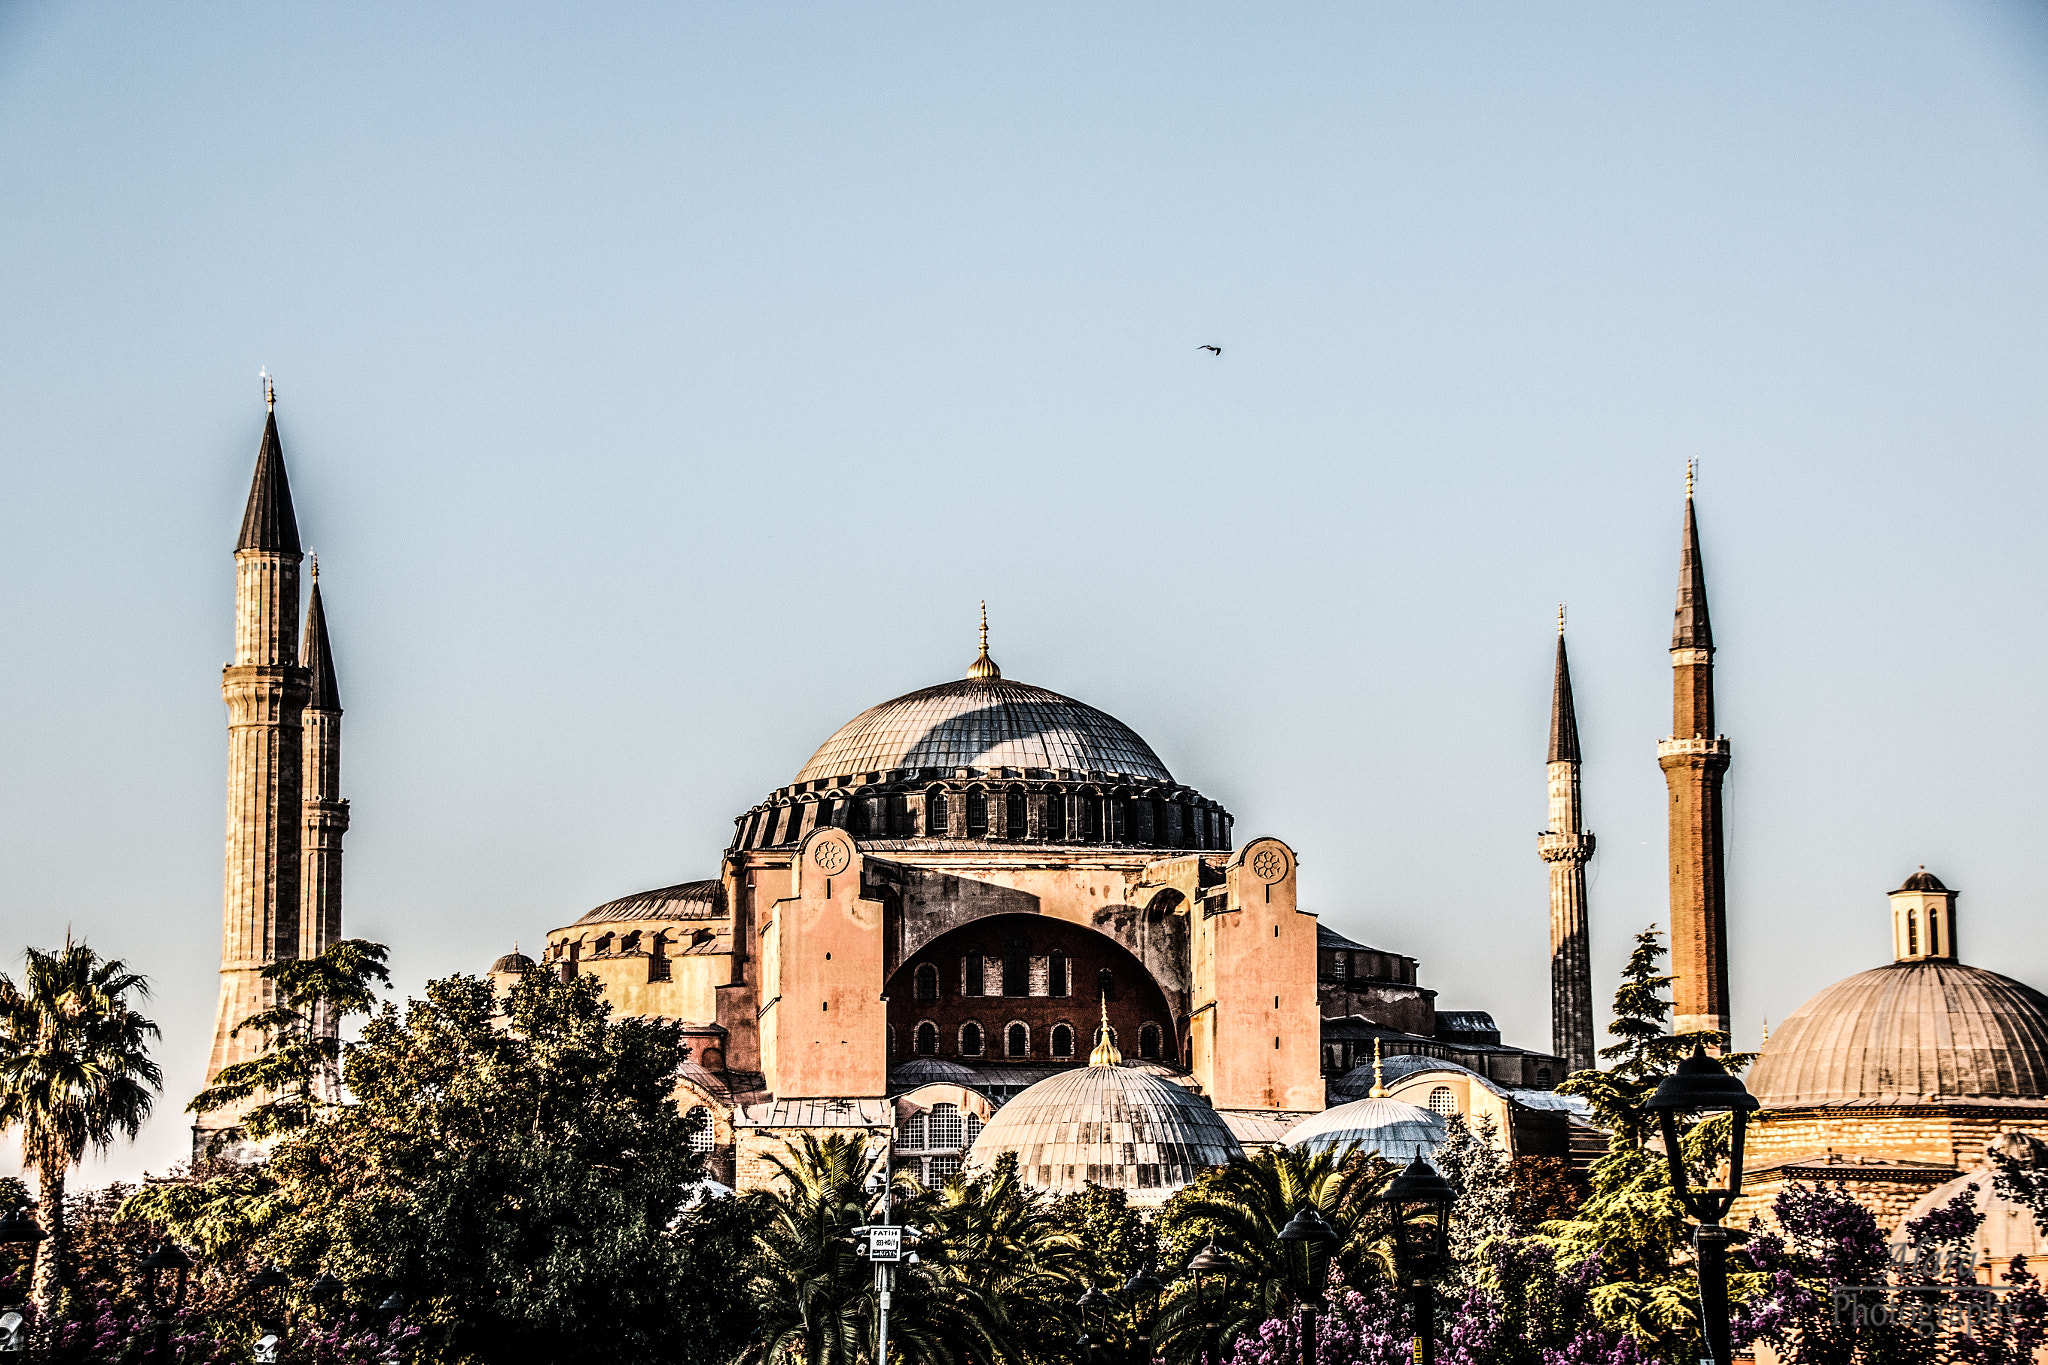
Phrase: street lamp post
pixel 1211 1269
pixel 165 1257
pixel 1421 1203
pixel 1319 1240
pixel 1141 1294
pixel 261 1284
pixel 1701 1085
pixel 1095 1308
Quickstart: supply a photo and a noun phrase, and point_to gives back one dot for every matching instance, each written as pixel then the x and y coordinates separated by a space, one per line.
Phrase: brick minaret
pixel 1566 846
pixel 1694 759
pixel 325 813
pixel 265 690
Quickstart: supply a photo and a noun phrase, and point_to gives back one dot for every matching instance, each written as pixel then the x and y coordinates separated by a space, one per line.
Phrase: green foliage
pixel 1242 1207
pixel 293 1079
pixel 75 1073
pixel 1474 1161
pixel 818 1299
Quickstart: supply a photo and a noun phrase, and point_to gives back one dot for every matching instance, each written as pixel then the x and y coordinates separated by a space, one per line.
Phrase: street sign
pixel 885 1244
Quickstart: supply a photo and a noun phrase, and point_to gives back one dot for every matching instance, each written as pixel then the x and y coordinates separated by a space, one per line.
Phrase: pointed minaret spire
pixel 268 522
pixel 1567 846
pixel 1694 758
pixel 983 666
pixel 315 655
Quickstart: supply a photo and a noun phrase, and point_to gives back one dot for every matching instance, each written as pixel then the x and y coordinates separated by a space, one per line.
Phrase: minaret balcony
pixel 1717 747
pixel 1560 847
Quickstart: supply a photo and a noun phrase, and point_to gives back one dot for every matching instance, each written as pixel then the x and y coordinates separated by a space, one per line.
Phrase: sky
pixel 662 386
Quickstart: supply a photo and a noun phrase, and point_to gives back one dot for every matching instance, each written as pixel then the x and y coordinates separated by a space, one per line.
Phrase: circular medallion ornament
pixel 830 856
pixel 1269 864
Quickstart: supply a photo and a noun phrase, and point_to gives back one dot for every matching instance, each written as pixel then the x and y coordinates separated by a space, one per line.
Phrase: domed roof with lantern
pixel 1107 1124
pixel 1398 1131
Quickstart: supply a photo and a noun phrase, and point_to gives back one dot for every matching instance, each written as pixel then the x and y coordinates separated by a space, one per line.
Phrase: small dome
pixel 511 962
pixel 687 900
pixel 987 722
pixel 1397 1131
pixel 1115 1126
pixel 932 1070
pixel 1925 1032
pixel 1923 880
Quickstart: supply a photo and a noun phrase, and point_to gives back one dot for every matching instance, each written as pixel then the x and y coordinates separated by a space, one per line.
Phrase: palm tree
pixel 75 1072
pixel 817 1296
pixel 1243 1206
pixel 999 1245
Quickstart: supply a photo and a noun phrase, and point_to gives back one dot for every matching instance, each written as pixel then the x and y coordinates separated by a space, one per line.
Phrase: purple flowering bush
pixel 1366 1326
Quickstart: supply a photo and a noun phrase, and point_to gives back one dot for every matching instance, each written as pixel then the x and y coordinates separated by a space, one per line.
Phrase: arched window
pixel 1148 1042
pixel 970 1040
pixel 1017 1041
pixel 943 1131
pixel 1062 1041
pixel 927 1039
pixel 973 1128
pixel 977 974
pixel 938 1170
pixel 1055 815
pixel 910 1132
pixel 977 813
pixel 857 816
pixel 1013 813
pixel 1056 973
pixel 1105 985
pixel 604 945
pixel 927 982
pixel 703 1133
pixel 935 812
pixel 897 819
pixel 1912 933
pixel 1091 818
pixel 1543 1075
pixel 827 812
pixel 1933 934
pixel 1442 1101
pixel 1016 966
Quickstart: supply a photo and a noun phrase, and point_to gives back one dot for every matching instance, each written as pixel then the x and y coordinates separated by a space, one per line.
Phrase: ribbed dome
pixel 1910 1033
pixel 931 1070
pixel 1397 1131
pixel 1114 1125
pixel 512 962
pixel 984 723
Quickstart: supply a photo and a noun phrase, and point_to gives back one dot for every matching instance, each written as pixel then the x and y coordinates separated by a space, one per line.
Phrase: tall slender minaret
pixel 265 690
pixel 1566 846
pixel 326 814
pixel 1694 758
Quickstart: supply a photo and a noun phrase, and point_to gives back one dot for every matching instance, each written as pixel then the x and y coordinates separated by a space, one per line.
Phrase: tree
pixel 75 1073
pixel 1475 1165
pixel 1242 1207
pixel 816 1295
pixel 1822 1241
pixel 294 1078
pixel 521 1173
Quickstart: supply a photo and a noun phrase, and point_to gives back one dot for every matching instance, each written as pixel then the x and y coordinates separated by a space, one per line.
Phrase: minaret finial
pixel 1691 468
pixel 1767 1030
pixel 269 387
pixel 1105 1053
pixel 1379 1081
pixel 316 568
pixel 1560 620
pixel 983 666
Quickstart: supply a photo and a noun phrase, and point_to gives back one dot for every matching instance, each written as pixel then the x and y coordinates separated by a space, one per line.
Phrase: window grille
pixel 939 1169
pixel 1442 1101
pixel 704 1138
pixel 944 1130
pixel 927 982
pixel 910 1132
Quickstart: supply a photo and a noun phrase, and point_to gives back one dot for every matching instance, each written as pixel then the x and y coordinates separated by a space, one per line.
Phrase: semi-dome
pixel 932 1071
pixel 1915 1032
pixel 1109 1125
pixel 1397 1131
pixel 984 722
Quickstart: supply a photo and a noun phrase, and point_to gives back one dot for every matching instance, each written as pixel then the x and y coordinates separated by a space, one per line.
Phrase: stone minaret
pixel 1694 759
pixel 1566 846
pixel 326 814
pixel 265 690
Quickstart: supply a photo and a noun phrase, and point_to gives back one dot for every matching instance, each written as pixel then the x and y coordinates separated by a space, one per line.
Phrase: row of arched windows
pixel 1013 813
pixel 1009 973
pixel 971 1040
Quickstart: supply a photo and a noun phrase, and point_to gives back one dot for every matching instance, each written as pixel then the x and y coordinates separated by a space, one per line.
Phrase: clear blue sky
pixel 662 386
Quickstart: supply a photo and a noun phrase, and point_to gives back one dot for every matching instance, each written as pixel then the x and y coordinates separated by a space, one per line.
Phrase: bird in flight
pixel 1216 349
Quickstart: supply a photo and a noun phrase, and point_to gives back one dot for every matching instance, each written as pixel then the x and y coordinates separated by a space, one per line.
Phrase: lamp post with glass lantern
pixel 1701 1085
pixel 1421 1204
pixel 1141 1295
pixel 153 1266
pixel 1211 1271
pixel 1095 1308
pixel 1319 1241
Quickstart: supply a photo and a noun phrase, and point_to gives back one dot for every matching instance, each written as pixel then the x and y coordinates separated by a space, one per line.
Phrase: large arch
pixel 1135 1000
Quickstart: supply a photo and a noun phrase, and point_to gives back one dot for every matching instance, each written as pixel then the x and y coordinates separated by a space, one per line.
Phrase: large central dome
pixel 988 722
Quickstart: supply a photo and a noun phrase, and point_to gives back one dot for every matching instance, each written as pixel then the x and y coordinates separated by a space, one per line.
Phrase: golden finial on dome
pixel 1379 1083
pixel 1767 1030
pixel 983 666
pixel 1105 1053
